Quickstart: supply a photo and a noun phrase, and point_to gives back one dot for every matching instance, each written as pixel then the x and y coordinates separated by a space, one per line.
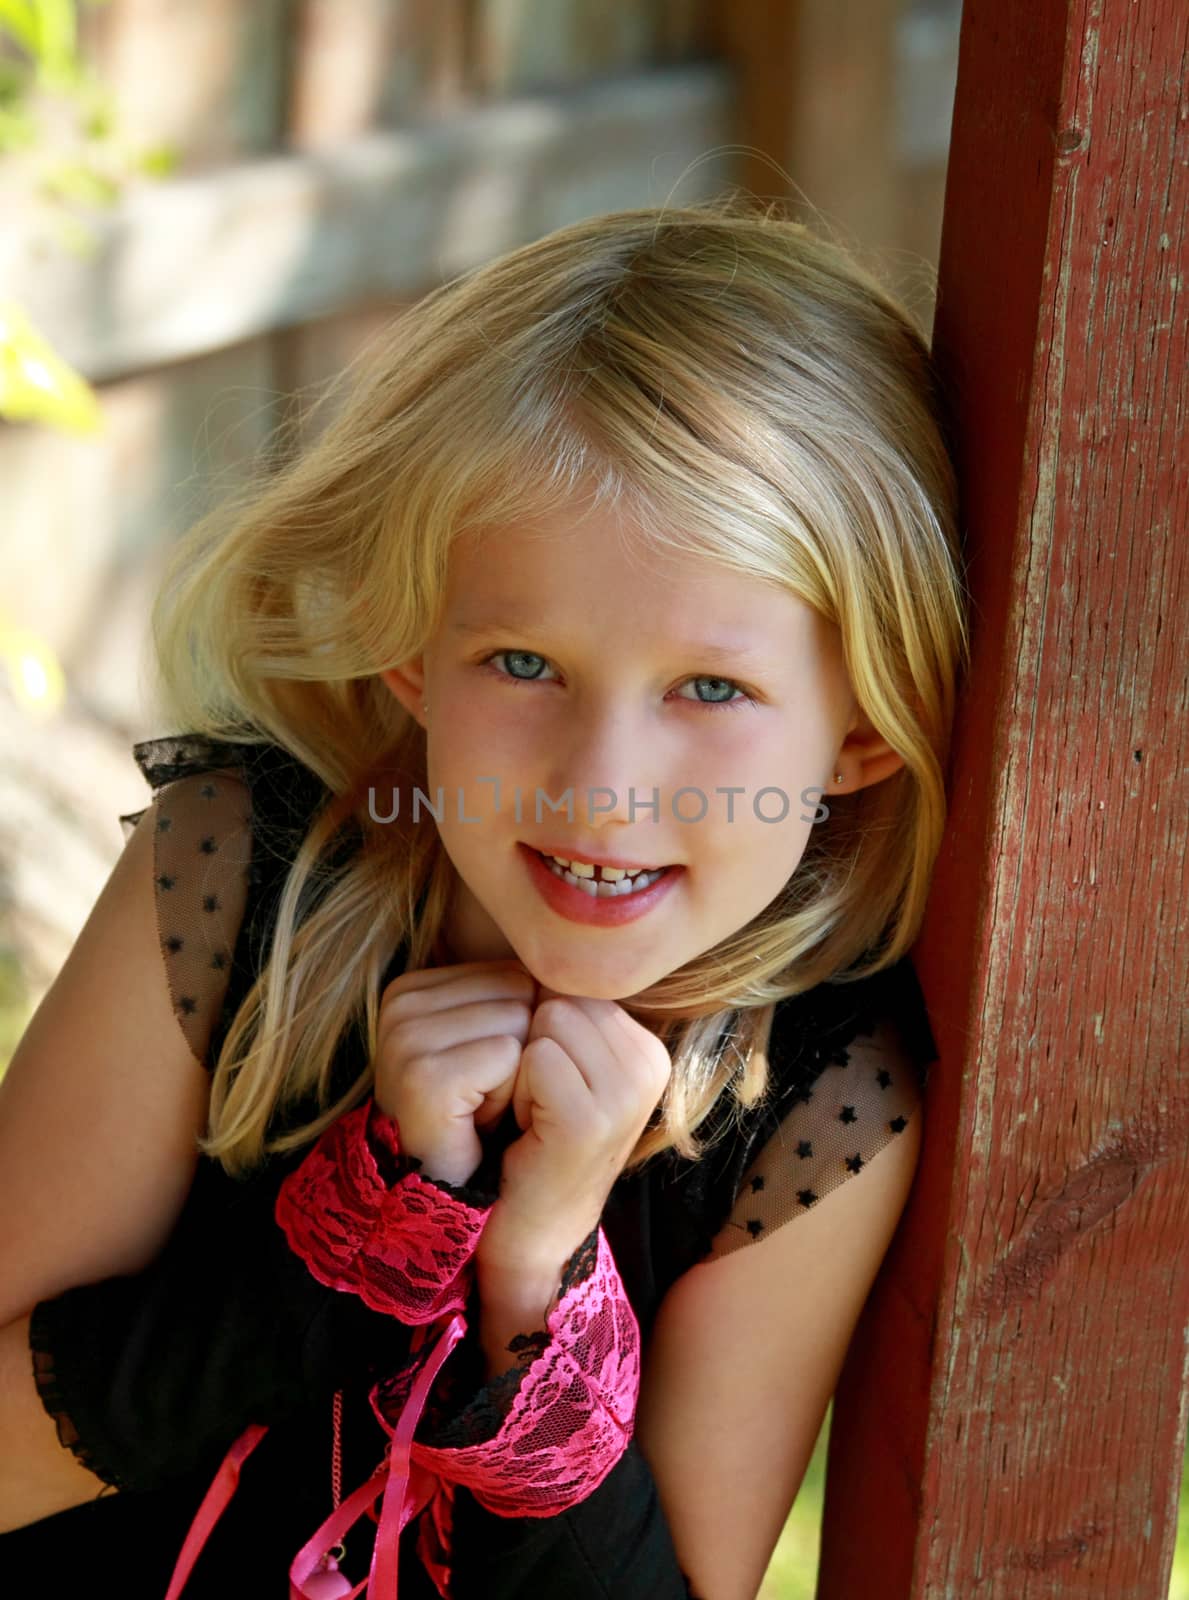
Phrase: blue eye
pixel 515 655
pixel 744 699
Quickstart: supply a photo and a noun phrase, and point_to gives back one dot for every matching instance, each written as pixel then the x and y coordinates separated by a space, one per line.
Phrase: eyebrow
pixel 723 651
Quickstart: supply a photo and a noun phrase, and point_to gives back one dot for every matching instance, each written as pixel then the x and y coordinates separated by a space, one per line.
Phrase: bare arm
pixel 100 1110
pixel 734 1335
pixel 38 1477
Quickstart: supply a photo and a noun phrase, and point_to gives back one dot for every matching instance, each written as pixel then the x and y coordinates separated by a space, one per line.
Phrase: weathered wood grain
pixel 1011 1417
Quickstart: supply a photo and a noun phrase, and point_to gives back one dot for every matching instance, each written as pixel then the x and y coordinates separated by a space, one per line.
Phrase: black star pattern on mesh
pixel 219 960
pixel 855 1162
pixel 162 824
pixel 164 881
pixel 188 1005
pixel 208 791
pixel 847 1114
pixel 208 845
pixel 883 1077
pixel 755 1226
pixel 757 1183
pixel 210 902
pixel 173 944
pixel 805 1149
pixel 898 1124
pixel 806 1196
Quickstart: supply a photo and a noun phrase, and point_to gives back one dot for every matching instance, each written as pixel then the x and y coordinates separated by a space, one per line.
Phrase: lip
pixel 568 853
pixel 606 911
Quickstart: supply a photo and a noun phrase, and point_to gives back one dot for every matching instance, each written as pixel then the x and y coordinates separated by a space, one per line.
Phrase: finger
pixel 550 1085
pixel 476 1078
pixel 417 1001
pixel 643 1041
pixel 469 977
pixel 586 1039
pixel 498 1097
pixel 434 1043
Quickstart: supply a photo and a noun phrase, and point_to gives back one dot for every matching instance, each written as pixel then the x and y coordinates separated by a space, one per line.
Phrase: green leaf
pixel 79 181
pixel 58 41
pixel 18 18
pixel 99 118
pixel 18 130
pixel 36 384
pixel 14 80
pixel 156 161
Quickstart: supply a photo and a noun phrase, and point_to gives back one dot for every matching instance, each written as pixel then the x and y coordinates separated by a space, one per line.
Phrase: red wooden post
pixel 1011 1416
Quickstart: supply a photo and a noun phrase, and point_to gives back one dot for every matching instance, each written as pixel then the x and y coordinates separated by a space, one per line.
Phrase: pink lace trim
pixel 571 1419
pixel 402 1249
pixel 406 1250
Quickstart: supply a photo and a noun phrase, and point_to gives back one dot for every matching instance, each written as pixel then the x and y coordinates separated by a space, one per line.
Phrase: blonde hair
pixel 744 389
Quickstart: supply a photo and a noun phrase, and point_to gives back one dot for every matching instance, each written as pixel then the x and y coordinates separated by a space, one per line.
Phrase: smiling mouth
pixel 594 885
pixel 608 875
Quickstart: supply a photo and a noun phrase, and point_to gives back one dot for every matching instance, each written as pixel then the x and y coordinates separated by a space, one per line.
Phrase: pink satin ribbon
pixel 407 1490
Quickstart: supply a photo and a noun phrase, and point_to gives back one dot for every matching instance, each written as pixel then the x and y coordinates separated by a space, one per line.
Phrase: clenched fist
pixel 589 1078
pixel 448 1051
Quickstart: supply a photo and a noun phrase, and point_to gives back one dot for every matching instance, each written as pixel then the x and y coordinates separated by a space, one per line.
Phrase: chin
pixel 591 980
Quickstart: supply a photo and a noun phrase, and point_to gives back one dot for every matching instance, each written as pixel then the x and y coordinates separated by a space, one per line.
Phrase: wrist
pixel 512 1304
pixel 394 1157
pixel 512 1247
pixel 520 1281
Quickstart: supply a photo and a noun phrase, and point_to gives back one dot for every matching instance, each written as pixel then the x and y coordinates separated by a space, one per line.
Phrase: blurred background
pixel 210 206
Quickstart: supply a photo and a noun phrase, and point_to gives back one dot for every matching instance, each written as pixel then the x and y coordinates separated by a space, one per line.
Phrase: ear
pixel 406 683
pixel 864 758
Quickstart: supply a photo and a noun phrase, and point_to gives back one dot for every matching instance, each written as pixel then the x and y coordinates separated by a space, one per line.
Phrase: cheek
pixel 477 774
pixel 746 853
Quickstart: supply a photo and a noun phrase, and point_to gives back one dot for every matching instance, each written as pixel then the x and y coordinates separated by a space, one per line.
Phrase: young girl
pixel 518 931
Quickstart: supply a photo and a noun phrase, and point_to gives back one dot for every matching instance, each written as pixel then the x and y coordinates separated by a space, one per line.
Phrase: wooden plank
pixel 360 64
pixel 843 111
pixel 816 111
pixel 1011 1416
pixel 759 42
pixel 207 78
pixel 519 45
pixel 195 263
pixel 86 522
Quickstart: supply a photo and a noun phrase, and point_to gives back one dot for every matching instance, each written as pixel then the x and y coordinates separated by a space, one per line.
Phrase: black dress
pixel 151 1377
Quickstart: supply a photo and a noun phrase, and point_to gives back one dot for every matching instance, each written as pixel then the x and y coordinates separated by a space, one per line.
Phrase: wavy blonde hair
pixel 745 389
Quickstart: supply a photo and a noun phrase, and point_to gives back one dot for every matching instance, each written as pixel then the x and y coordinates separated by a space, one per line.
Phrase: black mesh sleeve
pixel 836 1127
pixel 151 1375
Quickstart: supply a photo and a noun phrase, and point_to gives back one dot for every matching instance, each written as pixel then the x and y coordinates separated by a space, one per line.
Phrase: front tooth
pixel 613 874
pixel 580 869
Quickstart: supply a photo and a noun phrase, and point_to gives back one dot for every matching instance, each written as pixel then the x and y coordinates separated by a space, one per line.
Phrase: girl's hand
pixel 448 1046
pixel 590 1076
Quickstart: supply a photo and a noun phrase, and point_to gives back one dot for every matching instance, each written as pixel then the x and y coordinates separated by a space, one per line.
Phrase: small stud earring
pixel 838 777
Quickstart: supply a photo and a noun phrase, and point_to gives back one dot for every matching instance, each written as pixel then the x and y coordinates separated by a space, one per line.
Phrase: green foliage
pixel 59 131
pixel 36 385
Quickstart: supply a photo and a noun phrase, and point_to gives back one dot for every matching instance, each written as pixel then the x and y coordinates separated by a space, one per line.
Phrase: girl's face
pixel 568 659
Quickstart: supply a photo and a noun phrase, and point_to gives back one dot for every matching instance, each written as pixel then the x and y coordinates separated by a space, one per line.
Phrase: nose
pixel 605 760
